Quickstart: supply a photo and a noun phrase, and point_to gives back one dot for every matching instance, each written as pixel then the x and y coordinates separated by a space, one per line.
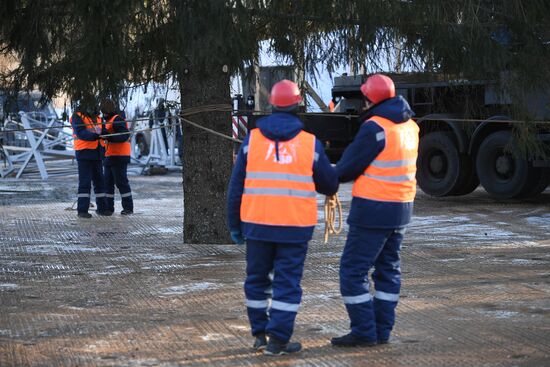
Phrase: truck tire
pixel 539 180
pixel 468 180
pixel 502 171
pixel 438 164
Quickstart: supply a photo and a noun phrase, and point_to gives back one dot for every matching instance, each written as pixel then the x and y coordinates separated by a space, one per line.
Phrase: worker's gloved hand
pixel 237 237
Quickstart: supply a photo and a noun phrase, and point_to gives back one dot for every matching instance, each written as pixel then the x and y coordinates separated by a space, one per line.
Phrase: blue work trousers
pixel 371 318
pixel 90 171
pixel 117 174
pixel 273 271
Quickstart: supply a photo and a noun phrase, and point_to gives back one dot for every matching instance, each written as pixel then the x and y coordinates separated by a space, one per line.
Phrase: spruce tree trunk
pixel 207 158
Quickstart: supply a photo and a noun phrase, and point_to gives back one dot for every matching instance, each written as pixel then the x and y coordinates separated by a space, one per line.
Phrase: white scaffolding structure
pixel 45 144
pixel 40 148
pixel 165 154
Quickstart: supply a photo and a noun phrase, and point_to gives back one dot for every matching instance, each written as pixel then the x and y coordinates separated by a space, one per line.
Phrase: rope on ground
pixel 333 209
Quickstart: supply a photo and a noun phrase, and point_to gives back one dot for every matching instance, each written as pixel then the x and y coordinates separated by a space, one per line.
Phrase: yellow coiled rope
pixel 333 209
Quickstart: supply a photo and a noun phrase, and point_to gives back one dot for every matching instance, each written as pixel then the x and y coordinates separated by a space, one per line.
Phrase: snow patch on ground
pixel 54 249
pixel 214 336
pixel 162 257
pixel 542 220
pixel 518 244
pixel 169 230
pixel 449 260
pixel 499 314
pixel 528 262
pixel 321 297
pixel 187 288
pixel 433 220
pixel 202 265
pixel 8 286
pixel 112 270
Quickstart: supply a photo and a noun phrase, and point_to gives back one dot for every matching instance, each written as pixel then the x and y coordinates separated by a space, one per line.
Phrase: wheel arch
pixel 486 128
pixel 444 122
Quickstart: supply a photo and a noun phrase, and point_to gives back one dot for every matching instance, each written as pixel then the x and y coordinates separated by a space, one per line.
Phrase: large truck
pixel 467 136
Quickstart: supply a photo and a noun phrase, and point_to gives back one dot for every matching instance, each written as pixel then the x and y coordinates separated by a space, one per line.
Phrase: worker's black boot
pixel 84 215
pixel 350 340
pixel 277 348
pixel 127 212
pixel 104 213
pixel 260 342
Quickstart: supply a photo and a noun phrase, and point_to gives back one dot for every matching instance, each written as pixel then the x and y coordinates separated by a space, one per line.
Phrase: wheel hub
pixel 437 164
pixel 504 166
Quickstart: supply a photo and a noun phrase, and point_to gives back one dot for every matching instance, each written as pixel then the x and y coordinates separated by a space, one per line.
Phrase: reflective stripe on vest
pixel 280 192
pixel 80 144
pixel 391 176
pixel 118 149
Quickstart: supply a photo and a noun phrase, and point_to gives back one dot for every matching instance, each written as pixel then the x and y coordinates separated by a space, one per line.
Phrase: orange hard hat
pixel 377 88
pixel 284 94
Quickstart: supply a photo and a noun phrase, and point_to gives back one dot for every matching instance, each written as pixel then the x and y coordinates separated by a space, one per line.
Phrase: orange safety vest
pixel 391 176
pixel 280 192
pixel 80 144
pixel 119 149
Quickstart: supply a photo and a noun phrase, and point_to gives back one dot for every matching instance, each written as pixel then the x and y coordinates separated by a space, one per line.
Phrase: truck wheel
pixel 468 180
pixel 539 180
pixel 438 164
pixel 502 171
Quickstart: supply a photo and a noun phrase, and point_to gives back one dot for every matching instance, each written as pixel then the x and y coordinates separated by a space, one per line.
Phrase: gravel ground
pixel 126 291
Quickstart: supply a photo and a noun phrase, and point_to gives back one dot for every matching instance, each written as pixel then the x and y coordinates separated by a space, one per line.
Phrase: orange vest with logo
pixel 391 176
pixel 280 192
pixel 90 125
pixel 119 149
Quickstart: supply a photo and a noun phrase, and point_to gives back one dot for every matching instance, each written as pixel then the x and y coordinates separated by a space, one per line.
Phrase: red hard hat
pixel 284 94
pixel 377 88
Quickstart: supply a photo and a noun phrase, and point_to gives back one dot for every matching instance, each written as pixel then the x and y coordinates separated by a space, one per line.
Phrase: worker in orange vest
pixel 86 125
pixel 272 206
pixel 381 161
pixel 117 157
